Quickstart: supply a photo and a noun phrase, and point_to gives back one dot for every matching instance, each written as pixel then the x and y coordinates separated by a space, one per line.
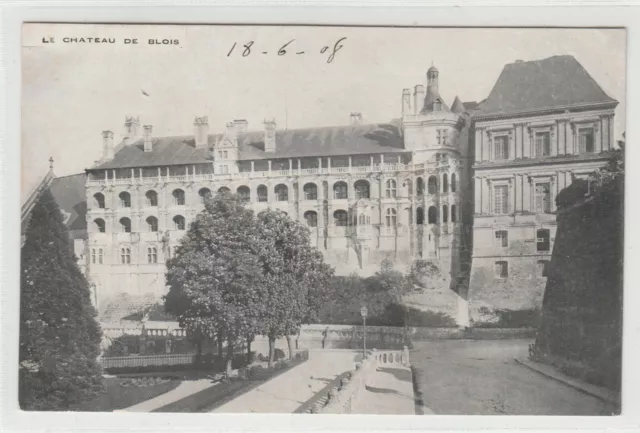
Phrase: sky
pixel 71 92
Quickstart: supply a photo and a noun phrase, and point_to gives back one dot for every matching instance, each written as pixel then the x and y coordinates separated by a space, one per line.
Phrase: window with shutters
pixel 543 144
pixel 501 147
pixel 502 238
pixel 543 197
pixel 585 140
pixel 502 269
pixel 501 199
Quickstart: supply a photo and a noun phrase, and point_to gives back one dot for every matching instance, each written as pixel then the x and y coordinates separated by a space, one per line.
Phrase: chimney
pixel 406 101
pixel 107 145
pixel 270 135
pixel 241 127
pixel 201 131
pixel 230 132
pixel 356 119
pixel 418 98
pixel 148 142
pixel 132 129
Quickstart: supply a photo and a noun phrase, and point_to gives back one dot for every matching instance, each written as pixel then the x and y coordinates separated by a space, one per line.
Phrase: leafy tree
pixel 613 172
pixel 215 277
pixel 424 275
pixel 295 277
pixel 59 334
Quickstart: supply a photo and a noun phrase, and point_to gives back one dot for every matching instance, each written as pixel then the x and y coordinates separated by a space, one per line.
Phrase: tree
pixel 215 277
pixel 295 277
pixel 59 334
pixel 424 275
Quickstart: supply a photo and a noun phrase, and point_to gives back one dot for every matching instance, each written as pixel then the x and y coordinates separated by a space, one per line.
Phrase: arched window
pixel 310 191
pixel 178 197
pixel 453 182
pixel 445 214
pixel 391 188
pixel 178 222
pixel 125 255
pixel 223 190
pixel 445 183
pixel 262 193
pixel 433 215
pixel 391 217
pixel 152 224
pixel 420 216
pixel 543 242
pixel 152 255
pixel 282 192
pixel 125 225
pixel 419 186
pixel 362 189
pixel 244 193
pixel 340 190
pixel 341 218
pixel 311 218
pixel 152 198
pixel 100 226
pixel 98 199
pixel 125 199
pixel 100 256
pixel 454 212
pixel 205 194
pixel 432 185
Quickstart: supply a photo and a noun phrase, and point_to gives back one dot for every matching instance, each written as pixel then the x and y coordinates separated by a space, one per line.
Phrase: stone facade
pixel 471 187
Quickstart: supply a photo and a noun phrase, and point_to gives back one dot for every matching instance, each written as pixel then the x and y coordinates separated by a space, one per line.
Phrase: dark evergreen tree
pixel 59 334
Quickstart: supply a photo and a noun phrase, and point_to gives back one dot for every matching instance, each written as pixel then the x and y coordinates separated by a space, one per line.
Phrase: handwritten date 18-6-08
pixel 288 48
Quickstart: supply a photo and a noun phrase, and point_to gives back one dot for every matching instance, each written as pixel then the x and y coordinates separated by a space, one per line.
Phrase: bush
pixel 527 318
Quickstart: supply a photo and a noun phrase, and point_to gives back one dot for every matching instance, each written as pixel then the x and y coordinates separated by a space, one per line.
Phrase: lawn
pixel 122 392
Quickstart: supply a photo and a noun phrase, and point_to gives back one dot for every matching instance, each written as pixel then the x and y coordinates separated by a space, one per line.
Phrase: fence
pixel 147 360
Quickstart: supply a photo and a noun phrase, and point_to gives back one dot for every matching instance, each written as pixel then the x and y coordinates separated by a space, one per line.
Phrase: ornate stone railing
pixel 344 397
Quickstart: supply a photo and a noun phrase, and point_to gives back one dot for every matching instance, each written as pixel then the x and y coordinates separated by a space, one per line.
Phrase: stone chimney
pixel 418 98
pixel 201 131
pixel 132 129
pixel 406 101
pixel 270 135
pixel 356 119
pixel 148 141
pixel 107 145
pixel 241 127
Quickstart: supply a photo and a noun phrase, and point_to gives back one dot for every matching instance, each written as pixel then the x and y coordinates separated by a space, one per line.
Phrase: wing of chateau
pixel 470 186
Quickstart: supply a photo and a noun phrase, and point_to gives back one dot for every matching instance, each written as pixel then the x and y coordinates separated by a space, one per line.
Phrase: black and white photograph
pixel 321 219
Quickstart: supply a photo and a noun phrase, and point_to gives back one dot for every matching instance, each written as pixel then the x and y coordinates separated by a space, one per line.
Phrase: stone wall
pixel 581 329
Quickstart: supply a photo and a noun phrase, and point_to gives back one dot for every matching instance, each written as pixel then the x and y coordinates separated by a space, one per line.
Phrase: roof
pixel 554 82
pixel 457 106
pixel 69 193
pixel 292 143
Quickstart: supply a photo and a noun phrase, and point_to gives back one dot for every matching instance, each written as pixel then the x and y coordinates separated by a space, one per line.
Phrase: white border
pixel 313 13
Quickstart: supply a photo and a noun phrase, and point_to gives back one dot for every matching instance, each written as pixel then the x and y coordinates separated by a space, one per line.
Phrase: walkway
pixel 389 391
pixel 288 391
pixel 464 377
pixel 185 389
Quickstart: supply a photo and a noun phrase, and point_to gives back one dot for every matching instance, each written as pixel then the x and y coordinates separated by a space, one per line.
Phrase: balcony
pixel 374 168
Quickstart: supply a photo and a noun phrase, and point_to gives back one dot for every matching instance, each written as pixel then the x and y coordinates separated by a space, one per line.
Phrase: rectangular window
pixel 543 267
pixel 100 256
pixel 543 197
pixel 442 137
pixel 501 145
pixel 225 155
pixel 502 269
pixel 585 140
pixel 543 144
pixel 543 240
pixel 501 199
pixel 502 238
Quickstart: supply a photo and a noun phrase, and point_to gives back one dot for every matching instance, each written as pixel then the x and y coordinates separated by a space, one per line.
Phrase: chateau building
pixel 470 186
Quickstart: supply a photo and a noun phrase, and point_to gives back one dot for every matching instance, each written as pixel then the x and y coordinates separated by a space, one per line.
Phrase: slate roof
pixel 69 194
pixel 457 106
pixel 291 143
pixel 554 82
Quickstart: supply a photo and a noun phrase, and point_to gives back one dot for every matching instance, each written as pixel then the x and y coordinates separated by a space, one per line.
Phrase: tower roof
pixel 554 82
pixel 457 106
pixel 432 69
